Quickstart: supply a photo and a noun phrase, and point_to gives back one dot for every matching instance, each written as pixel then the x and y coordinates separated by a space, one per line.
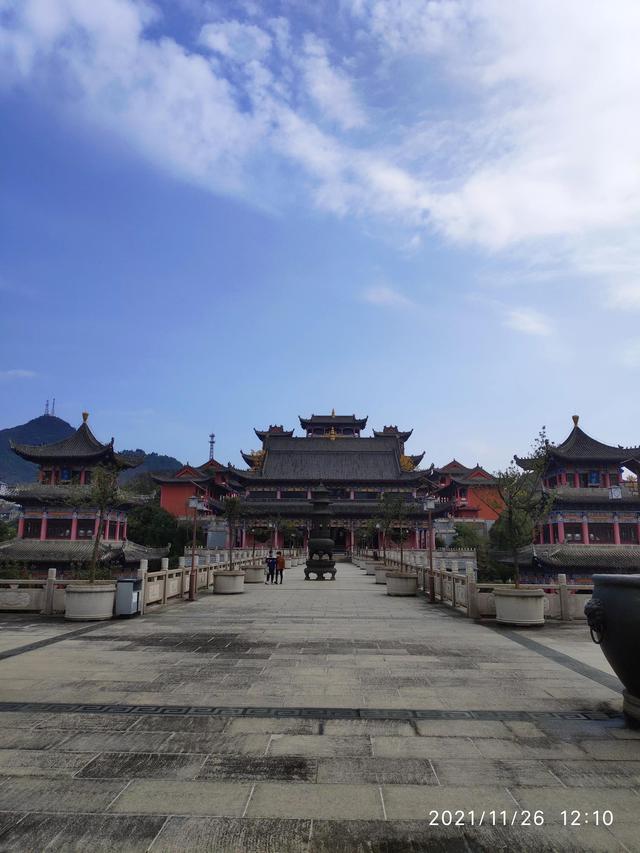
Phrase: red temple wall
pixel 174 498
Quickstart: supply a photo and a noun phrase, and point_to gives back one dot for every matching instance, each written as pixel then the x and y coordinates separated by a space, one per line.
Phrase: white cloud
pixel 531 140
pixel 624 296
pixel 6 375
pixel 329 88
pixel 386 297
pixel 528 321
pixel 629 354
pixel 235 40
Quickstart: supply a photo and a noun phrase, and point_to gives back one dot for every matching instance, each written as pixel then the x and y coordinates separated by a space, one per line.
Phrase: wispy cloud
pixel 528 321
pixel 624 296
pixel 6 375
pixel 386 297
pixel 629 354
pixel 525 143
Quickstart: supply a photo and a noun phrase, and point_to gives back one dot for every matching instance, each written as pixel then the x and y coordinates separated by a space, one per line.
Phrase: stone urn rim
pixel 519 592
pixel 233 571
pixel 619 580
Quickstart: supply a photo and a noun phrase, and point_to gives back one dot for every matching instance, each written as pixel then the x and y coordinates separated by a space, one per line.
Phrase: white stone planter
pixel 381 574
pixel 401 583
pixel 89 602
pixel 370 569
pixel 254 574
pixel 519 606
pixel 228 583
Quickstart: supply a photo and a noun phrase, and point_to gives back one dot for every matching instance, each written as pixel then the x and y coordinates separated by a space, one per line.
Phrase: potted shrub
pixel 524 504
pixel 94 600
pixel 230 581
pixel 393 521
pixel 255 572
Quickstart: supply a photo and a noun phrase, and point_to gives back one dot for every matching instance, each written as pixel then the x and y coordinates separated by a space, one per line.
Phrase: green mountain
pixel 48 428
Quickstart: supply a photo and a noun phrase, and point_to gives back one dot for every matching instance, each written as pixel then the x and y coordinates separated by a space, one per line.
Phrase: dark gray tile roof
pixel 565 495
pixel 319 420
pixel 578 446
pixel 589 557
pixel 82 446
pixel 33 550
pixel 67 495
pixel 326 459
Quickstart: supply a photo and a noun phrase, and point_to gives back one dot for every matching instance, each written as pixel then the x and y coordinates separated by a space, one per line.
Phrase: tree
pixel 525 502
pixel 232 512
pixel 393 512
pixel 104 496
pixel 153 526
pixel 7 531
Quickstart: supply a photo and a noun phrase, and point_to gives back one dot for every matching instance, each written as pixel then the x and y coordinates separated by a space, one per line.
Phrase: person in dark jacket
pixel 271 567
pixel 280 565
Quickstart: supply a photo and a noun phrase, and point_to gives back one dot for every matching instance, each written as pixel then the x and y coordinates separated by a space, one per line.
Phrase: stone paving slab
pixel 308 718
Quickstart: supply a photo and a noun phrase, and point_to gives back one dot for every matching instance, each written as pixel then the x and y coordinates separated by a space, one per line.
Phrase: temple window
pixel 86 527
pixel 59 528
pixel 572 531
pixel 31 528
pixel 65 475
pixel 602 533
pixel 628 534
pixel 594 478
pixel 46 477
pixel 614 479
pixel 75 478
pixel 584 480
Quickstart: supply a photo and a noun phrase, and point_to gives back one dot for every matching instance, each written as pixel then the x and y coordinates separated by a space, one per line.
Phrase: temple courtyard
pixel 314 716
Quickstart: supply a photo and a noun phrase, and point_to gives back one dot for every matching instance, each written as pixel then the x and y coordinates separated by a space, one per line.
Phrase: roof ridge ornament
pixel 85 417
pixel 575 419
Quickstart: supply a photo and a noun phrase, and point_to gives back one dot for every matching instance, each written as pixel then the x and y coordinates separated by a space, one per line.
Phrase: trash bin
pixel 128 596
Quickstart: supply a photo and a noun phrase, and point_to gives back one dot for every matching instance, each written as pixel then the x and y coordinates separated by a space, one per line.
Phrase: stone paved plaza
pixel 309 717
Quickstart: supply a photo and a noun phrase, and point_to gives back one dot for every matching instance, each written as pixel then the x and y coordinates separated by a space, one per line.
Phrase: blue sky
pixel 220 215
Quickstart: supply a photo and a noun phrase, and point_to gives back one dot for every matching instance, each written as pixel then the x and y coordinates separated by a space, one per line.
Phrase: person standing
pixel 280 566
pixel 271 567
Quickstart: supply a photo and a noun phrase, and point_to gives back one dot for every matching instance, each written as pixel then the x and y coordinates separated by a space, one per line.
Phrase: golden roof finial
pixel 333 434
pixel 85 417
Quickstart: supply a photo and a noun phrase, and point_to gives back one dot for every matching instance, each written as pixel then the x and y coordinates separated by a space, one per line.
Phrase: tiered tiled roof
pixel 580 447
pixel 81 448
pixel 51 550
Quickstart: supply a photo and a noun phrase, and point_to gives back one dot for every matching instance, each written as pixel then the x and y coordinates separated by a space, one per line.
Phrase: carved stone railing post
pixel 142 575
pixel 565 603
pixel 49 592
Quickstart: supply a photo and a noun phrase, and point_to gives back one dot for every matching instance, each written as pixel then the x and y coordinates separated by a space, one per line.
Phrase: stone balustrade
pixel 165 586
pixel 448 584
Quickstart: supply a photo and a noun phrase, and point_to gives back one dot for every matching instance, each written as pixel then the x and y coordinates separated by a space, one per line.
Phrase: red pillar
pixel 43 526
pixel 21 526
pixel 616 529
pixel 82 479
pixel 560 529
pixel 74 526
pixel 117 528
pixel 124 529
pixel 607 480
pixel 585 530
pixel 550 533
pixel 576 480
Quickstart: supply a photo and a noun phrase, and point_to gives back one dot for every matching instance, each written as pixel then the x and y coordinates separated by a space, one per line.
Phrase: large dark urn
pixel 613 615
pixel 320 561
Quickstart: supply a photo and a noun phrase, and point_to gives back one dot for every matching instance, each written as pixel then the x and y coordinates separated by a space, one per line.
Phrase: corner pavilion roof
pixel 580 447
pixel 82 448
pixel 333 419
pixel 322 458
